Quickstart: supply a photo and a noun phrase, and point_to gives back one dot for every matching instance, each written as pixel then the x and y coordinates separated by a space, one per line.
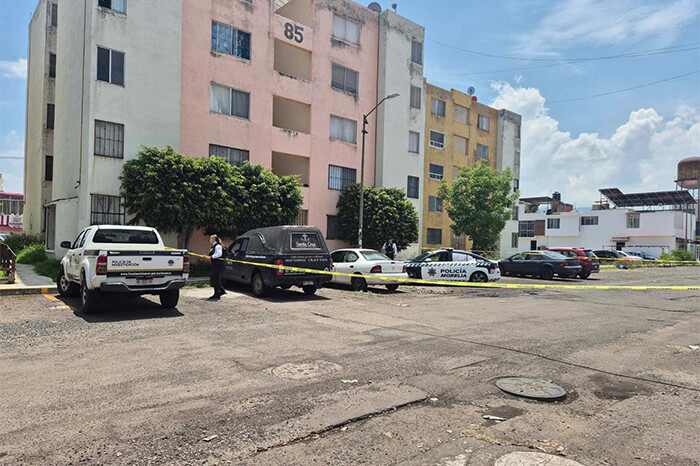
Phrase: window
pixel 346 29
pixel 434 204
pixel 414 142
pixel 526 229
pixel 437 140
pixel 110 66
pixel 436 172
pixel 437 107
pixel 633 220
pixel 434 236
pixel 50 115
pixel 513 240
pixel 553 223
pixel 517 131
pixel 117 5
pixel 54 15
pixel 516 158
pixel 340 177
pixel 516 184
pixel 228 101
pixel 343 129
pixel 516 212
pixel 106 210
pixel 229 40
pixel 417 52
pixel 461 114
pixel 109 139
pixel 52 65
pixel 589 221
pixel 484 122
pixel 459 145
pixel 413 188
pixel 344 79
pixel 48 168
pixel 232 155
pixel 332 226
pixel 416 96
pixel 482 152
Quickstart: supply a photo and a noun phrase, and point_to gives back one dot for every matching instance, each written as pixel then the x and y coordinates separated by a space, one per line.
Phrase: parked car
pixel 133 260
pixel 612 255
pixel 448 264
pixel 643 255
pixel 367 265
pixel 544 264
pixel 587 259
pixel 292 246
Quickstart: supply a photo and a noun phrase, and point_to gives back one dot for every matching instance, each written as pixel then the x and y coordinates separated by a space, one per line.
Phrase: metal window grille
pixel 632 220
pixel 589 221
pixel 52 65
pixel 434 236
pixel 484 122
pixel 232 155
pixel 340 177
pixel 343 129
pixel 416 96
pixel 437 140
pixel 461 114
pixel 553 223
pixel 526 229
pixel 229 40
pixel 48 168
pixel 109 139
pixel 10 205
pixel 437 107
pixel 482 152
pixel 413 188
pixel 436 172
pixel 344 79
pixel 413 142
pixel 332 226
pixel 417 52
pixel 434 204
pixel 106 210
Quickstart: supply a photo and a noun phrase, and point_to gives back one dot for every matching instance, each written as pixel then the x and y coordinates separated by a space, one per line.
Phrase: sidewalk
pixel 28 282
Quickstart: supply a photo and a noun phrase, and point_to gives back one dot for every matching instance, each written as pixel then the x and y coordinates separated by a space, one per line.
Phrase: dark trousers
pixel 217 270
pixel 390 255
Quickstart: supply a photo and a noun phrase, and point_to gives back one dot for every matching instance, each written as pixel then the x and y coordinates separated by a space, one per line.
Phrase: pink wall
pixel 200 66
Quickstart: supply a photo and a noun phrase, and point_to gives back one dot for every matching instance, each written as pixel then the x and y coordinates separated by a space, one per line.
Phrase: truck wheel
pixel 260 289
pixel 169 299
pixel 393 287
pixel 90 298
pixel 547 273
pixel 309 289
pixel 358 284
pixel 66 288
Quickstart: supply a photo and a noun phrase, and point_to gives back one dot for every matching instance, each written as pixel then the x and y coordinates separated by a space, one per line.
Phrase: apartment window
pixel 346 29
pixel 52 65
pixel 514 240
pixel 417 52
pixel 414 142
pixel 459 145
pixel 526 229
pixel 229 40
pixel 332 226
pixel 461 114
pixel 517 131
pixel 109 139
pixel 50 115
pixel 516 158
pixel 434 236
pixel 515 212
pixel 343 129
pixel 482 152
pixel 437 107
pixel 516 184
pixel 589 221
pixel 416 96
pixel 484 122
pixel 54 15
pixel 344 79
pixel 232 155
pixel 436 172
pixel 117 5
pixel 434 204
pixel 633 220
pixel 437 139
pixel 412 190
pixel 110 66
pixel 340 177
pixel 48 168
pixel 106 210
pixel 228 101
pixel 553 223
pixel 302 217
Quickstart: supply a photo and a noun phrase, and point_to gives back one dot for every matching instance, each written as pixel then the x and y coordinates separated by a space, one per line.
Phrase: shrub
pixel 18 241
pixel 32 254
pixel 677 255
pixel 48 268
pixel 199 267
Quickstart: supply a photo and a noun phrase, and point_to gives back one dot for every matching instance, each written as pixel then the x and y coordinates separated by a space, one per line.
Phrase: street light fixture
pixel 362 166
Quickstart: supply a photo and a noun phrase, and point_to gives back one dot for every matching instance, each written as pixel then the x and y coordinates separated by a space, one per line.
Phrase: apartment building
pixel 283 83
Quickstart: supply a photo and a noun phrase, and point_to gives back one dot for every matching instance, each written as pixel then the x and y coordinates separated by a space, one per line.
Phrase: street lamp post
pixel 362 166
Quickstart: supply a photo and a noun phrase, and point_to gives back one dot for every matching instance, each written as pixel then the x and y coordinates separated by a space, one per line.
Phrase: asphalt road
pixel 355 378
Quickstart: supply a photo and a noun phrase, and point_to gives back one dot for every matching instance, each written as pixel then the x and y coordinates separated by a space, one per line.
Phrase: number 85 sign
pixel 294 32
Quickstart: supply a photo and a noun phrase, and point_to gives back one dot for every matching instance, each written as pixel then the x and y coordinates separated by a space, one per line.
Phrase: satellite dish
pixel 471 90
pixel 374 6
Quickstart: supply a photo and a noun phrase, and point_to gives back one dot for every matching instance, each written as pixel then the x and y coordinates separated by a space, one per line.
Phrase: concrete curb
pixel 25 290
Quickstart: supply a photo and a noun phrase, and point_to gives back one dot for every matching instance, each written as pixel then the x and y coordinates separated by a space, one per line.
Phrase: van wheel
pixel 89 298
pixel 260 289
pixel 309 289
pixel 358 284
pixel 169 299
pixel 547 273
pixel 479 277
pixel 585 275
pixel 66 288
pixel 393 287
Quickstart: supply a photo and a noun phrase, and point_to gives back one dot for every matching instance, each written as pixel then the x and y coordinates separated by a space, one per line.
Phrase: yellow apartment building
pixel 458 131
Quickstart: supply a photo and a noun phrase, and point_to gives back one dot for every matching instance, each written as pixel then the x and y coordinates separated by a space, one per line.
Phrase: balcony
pixel 287 141
pixel 300 11
pixel 291 115
pixel 292 61
pixel 288 164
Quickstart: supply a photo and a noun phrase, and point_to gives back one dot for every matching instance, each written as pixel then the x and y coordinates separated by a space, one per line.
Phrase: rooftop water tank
pixel 689 173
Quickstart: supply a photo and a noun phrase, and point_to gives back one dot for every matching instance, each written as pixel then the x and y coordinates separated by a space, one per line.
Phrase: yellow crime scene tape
pixel 461 283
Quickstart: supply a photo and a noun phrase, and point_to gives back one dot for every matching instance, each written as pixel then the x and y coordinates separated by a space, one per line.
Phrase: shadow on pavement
pixel 277 295
pixel 376 289
pixel 121 308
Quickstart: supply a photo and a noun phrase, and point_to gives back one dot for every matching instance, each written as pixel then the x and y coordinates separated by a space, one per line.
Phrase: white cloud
pixel 641 155
pixel 13 69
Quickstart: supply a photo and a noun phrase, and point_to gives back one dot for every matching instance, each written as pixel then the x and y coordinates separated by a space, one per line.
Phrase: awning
pixel 620 239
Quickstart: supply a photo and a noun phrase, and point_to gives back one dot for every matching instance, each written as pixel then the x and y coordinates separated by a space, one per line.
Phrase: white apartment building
pixel 508 156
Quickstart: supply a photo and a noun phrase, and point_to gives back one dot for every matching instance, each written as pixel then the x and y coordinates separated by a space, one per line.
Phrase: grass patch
pixel 48 268
pixel 19 241
pixel 32 254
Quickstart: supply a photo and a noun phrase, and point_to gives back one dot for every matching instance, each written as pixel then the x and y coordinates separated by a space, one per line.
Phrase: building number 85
pixel 294 32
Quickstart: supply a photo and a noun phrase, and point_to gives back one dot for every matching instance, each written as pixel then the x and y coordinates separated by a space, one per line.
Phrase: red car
pixel 588 260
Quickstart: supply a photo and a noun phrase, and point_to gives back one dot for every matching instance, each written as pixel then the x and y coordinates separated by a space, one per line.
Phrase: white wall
pixel 508 142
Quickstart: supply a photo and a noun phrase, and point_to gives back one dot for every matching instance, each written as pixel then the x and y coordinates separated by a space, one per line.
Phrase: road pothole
pixel 306 370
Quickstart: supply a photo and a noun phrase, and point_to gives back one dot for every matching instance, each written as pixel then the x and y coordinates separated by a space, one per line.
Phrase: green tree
pixel 387 215
pixel 479 201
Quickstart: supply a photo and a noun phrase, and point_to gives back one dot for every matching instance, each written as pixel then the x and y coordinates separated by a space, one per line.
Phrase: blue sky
pixel 629 139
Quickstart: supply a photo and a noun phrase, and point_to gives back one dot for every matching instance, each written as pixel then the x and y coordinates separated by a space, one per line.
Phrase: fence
pixel 8 261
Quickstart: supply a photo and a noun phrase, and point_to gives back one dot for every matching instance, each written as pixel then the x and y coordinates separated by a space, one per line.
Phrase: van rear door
pixel 307 250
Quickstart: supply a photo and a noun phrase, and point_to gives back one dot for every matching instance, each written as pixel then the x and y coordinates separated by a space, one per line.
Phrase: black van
pixel 293 246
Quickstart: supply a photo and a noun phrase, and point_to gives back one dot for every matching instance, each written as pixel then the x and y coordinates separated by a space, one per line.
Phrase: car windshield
pixel 422 256
pixel 588 253
pixel 122 236
pixel 374 256
pixel 553 255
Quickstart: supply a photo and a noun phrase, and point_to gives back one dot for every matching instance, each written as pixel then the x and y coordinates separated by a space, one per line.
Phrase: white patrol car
pixel 448 264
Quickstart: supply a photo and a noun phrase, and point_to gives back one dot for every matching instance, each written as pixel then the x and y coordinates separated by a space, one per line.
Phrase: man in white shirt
pixel 216 254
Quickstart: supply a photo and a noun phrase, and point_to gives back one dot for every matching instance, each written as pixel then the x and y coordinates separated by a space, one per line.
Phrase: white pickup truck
pixel 108 259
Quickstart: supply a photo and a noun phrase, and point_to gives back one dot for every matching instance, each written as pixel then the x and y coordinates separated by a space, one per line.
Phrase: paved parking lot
pixel 355 378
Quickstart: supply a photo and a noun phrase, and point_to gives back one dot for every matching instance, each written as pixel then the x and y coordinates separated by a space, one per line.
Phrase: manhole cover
pixel 539 389
pixel 527 458
pixel 307 370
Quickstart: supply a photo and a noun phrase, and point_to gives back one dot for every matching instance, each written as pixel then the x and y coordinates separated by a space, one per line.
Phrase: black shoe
pixel 222 292
pixel 215 297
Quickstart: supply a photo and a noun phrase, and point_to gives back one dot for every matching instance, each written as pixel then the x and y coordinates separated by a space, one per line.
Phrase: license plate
pixel 144 281
pixel 308 282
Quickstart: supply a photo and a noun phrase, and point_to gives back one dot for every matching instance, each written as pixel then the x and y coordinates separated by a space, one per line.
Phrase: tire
pixel 547 273
pixel 584 275
pixel 358 284
pixel 169 299
pixel 309 290
pixel 66 288
pixel 479 277
pixel 393 287
pixel 89 298
pixel 260 289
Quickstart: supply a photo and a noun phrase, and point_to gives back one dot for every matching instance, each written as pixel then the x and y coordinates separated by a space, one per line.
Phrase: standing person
pixel 216 254
pixel 390 249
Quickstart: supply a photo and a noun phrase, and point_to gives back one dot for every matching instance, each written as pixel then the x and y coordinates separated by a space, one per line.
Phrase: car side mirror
pixel 66 244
